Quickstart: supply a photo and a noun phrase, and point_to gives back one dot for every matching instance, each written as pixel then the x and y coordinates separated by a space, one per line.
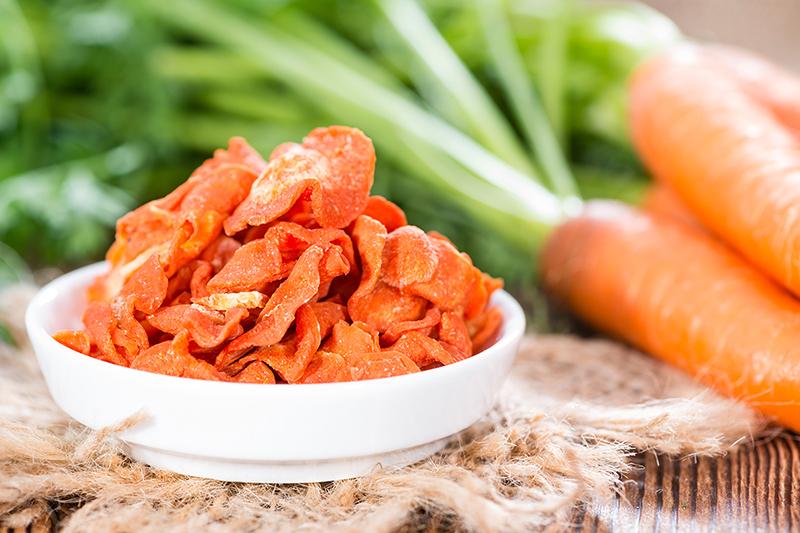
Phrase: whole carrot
pixel 683 296
pixel 728 147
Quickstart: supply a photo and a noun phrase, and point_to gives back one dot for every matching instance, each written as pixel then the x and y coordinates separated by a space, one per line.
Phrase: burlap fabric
pixel 571 415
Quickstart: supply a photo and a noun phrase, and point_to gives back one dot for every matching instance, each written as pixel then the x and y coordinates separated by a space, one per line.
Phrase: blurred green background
pixel 485 114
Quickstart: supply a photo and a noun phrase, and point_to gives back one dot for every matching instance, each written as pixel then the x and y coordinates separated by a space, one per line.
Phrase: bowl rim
pixel 513 325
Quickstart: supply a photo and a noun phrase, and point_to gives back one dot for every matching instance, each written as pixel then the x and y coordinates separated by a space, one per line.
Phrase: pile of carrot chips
pixel 285 271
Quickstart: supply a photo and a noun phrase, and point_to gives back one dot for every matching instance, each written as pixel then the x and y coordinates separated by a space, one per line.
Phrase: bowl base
pixel 281 471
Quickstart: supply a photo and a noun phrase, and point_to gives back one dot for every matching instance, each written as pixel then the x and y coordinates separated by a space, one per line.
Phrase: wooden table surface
pixel 756 489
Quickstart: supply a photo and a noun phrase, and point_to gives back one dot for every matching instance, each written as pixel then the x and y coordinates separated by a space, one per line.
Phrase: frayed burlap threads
pixel 572 413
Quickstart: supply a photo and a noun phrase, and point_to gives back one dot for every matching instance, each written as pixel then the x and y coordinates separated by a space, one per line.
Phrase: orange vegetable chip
pixel 423 350
pixel 451 280
pixel 382 365
pixel 184 222
pixel 276 317
pixel 256 372
pixel 479 292
pixel 101 325
pixel 190 238
pixel 129 332
pixel 172 358
pixel 205 326
pixel 454 336
pixel 485 327
pixel 271 257
pixel 375 302
pixel 328 315
pixel 220 251
pixel 290 366
pixel 147 288
pixel 369 238
pixel 333 168
pixel 200 277
pixel 409 257
pixel 76 340
pixel 425 325
pixel 385 212
pixel 350 341
pixel 385 306
pixel 326 368
pixel 285 349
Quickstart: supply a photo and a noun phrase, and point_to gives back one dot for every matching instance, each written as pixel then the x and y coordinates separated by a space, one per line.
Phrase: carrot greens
pixel 479 110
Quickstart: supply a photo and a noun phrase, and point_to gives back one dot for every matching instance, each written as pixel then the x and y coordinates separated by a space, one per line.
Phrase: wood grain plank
pixel 794 506
pixel 707 504
pixel 686 479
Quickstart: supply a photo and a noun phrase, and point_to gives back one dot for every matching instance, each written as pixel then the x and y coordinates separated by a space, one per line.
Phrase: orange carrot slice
pixel 423 350
pixel 326 368
pixel 382 365
pixel 76 340
pixel 256 372
pixel 333 168
pixel 425 325
pixel 184 222
pixel 385 212
pixel 279 313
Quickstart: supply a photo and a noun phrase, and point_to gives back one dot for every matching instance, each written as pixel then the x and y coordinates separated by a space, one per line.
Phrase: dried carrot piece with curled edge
pixel 684 297
pixel 334 167
pixel 276 317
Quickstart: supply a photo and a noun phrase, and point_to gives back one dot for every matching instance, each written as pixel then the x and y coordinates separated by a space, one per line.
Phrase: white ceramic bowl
pixel 266 433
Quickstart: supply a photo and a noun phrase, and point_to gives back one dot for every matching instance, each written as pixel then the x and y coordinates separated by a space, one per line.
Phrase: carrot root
pixel 684 297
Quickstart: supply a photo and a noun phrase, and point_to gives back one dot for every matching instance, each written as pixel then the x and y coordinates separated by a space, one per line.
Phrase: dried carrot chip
pixel 425 325
pixel 484 328
pixel 451 279
pixel 386 306
pixel 184 222
pixel 130 332
pixel 220 251
pixel 276 317
pixel 452 332
pixel 200 276
pixel 328 314
pixel 333 168
pixel 291 366
pixel 369 238
pixel 423 350
pixel 172 358
pixel 375 302
pixel 76 340
pixel 350 341
pixel 409 257
pixel 223 302
pixel 382 365
pixel 147 288
pixel 205 326
pixel 100 325
pixel 385 212
pixel 326 368
pixel 256 372
pixel 271 257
